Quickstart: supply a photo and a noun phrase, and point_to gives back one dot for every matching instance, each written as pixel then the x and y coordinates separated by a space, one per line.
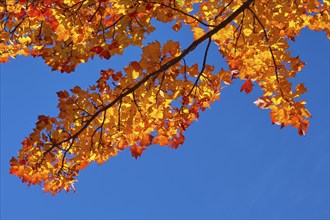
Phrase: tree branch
pixel 163 68
pixel 203 67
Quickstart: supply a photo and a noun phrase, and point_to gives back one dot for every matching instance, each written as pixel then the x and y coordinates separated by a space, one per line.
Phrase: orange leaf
pixel 303 127
pixel 137 150
pixel 177 141
pixel 146 140
pixel 161 140
pixel 263 102
pixel 105 54
pixel 97 49
pixel 247 87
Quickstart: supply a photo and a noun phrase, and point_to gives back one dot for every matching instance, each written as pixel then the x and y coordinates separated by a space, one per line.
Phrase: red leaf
pixel 97 49
pixel 137 151
pixel 113 45
pixel 33 12
pixel 132 14
pixel 117 76
pixel 303 127
pixel 20 14
pixel 177 141
pixel 52 22
pixel 48 2
pixel 247 87
pixel 105 54
pixel 63 94
pixel 146 140
pixel 149 7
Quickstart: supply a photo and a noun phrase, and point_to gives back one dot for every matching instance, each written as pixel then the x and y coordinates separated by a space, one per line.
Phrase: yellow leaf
pixel 62 33
pixel 180 2
pixel 157 114
pixel 24 40
pixel 135 74
pixel 247 32
pixel 198 32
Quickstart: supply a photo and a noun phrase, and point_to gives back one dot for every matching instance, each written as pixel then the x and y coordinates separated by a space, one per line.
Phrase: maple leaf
pixel 137 150
pixel 105 54
pixel 263 102
pixel 146 140
pixel 198 32
pixel 303 127
pixel 162 140
pixel 247 86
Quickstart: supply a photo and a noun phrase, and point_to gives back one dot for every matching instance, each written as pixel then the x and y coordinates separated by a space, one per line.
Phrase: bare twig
pixel 203 68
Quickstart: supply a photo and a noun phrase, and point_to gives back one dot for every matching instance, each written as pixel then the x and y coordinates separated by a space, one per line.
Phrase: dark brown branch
pixel 240 27
pixel 119 109
pixel 114 24
pixel 40 29
pixel 64 156
pixel 136 104
pixel 203 67
pixel 81 109
pixel 19 24
pixel 185 68
pixel 138 22
pixel 160 85
pixel 220 13
pixel 267 39
pixel 101 128
pixel 271 52
pixel 98 8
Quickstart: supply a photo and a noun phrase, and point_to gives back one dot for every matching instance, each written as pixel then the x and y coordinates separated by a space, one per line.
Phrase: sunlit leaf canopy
pixel 155 98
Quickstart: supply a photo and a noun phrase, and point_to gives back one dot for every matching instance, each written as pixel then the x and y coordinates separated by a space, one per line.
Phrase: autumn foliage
pixel 156 98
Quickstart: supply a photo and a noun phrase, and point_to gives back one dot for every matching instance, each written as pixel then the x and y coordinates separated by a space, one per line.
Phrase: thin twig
pixel 203 68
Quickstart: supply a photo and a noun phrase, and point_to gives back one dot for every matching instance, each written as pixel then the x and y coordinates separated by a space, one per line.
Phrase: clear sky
pixel 234 163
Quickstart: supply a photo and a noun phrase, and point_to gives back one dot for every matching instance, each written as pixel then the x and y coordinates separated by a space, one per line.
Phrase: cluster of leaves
pixel 152 100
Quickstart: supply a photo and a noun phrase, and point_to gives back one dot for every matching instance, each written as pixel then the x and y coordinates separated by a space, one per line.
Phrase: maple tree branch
pixel 138 22
pixel 82 118
pixel 163 68
pixel 160 85
pixel 98 8
pixel 220 13
pixel 40 29
pixel 101 128
pixel 64 156
pixel 76 11
pixel 139 105
pixel 81 109
pixel 136 104
pixel 19 24
pixel 119 109
pixel 272 55
pixel 267 39
pixel 203 67
pixel 114 23
pixel 240 27
pixel 271 52
pixel 185 68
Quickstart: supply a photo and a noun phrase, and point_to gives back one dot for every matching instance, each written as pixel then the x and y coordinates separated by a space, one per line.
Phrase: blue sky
pixel 234 163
